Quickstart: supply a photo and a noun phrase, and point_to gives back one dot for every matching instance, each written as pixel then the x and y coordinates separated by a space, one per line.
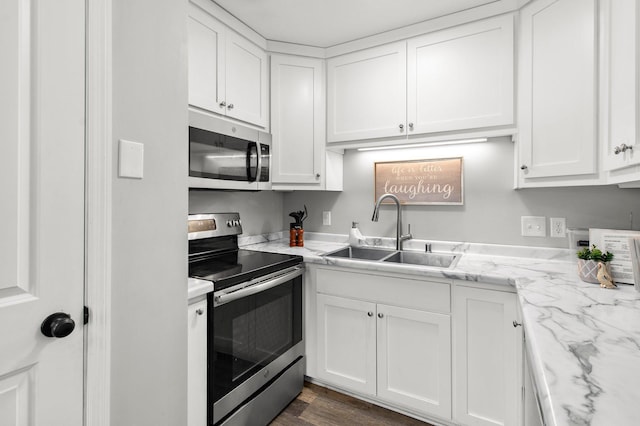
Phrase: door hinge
pixel 86 315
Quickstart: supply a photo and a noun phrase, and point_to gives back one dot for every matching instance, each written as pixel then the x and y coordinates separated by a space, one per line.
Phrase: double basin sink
pixel 437 260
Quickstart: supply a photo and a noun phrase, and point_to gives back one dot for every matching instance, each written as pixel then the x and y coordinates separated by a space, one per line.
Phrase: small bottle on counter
pixel 293 235
pixel 300 237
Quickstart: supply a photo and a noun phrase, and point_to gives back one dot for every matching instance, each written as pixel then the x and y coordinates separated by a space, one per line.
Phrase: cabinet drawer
pixel 429 295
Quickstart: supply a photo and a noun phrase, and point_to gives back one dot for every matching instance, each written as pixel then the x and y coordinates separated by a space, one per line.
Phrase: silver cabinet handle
pixel 199 311
pixel 411 126
pixel 380 315
pixel 230 106
pixel 222 104
pixel 517 324
pixel 401 126
pixel 370 313
pixel 524 167
pixel 622 148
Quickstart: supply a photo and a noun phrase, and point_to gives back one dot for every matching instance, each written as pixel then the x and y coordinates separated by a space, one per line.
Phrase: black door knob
pixel 57 325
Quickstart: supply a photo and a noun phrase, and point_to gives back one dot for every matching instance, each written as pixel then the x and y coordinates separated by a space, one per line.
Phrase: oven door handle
pixel 221 299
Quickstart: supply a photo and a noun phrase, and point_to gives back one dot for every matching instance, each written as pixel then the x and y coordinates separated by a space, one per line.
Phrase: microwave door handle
pixel 250 177
pixel 259 163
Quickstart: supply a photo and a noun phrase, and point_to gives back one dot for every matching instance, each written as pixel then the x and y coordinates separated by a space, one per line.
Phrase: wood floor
pixel 323 407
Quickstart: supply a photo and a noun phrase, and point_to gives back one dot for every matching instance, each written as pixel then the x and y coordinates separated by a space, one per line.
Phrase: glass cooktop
pixel 229 269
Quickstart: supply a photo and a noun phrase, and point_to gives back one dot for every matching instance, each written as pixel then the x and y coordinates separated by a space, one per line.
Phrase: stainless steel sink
pixel 439 260
pixel 361 253
pixel 434 260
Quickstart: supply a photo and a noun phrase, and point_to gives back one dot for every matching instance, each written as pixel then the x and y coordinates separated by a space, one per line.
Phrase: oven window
pixel 251 332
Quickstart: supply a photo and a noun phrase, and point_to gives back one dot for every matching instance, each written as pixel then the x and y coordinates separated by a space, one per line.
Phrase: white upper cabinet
pixel 461 78
pixel 297 120
pixel 620 96
pixel 558 83
pixel 446 81
pixel 227 73
pixel 366 94
pixel 246 80
pixel 206 77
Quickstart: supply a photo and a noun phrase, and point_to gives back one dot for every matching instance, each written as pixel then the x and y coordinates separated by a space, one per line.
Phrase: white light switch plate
pixel 131 159
pixel 534 226
pixel 326 218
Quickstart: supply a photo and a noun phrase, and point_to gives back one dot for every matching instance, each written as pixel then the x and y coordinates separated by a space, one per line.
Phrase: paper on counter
pixel 634 246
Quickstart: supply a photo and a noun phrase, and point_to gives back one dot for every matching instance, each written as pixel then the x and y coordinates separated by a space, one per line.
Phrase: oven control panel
pixel 208 225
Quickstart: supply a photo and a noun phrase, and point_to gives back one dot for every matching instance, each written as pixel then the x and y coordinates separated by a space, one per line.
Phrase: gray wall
pixel 149 294
pixel 492 208
pixel 261 212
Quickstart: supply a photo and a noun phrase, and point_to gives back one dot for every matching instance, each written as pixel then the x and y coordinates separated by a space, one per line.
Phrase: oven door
pixel 255 332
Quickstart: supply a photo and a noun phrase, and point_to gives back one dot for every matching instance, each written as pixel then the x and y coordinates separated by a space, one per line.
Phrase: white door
pixel 41 210
pixel 347 343
pixel 297 119
pixel 620 84
pixel 197 366
pixel 461 78
pixel 558 88
pixel 367 94
pixel 488 358
pixel 414 359
pixel 206 61
pixel 246 80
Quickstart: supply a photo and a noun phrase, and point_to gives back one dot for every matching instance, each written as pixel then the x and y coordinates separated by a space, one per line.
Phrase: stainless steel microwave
pixel 226 155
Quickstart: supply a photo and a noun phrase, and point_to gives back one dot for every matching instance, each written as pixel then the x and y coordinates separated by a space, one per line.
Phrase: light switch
pixel 131 159
pixel 534 226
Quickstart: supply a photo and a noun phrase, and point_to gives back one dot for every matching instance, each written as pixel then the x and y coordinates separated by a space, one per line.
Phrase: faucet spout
pixel 376 212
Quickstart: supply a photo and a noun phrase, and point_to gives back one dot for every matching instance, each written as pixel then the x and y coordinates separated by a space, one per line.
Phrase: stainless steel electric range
pixel 255 345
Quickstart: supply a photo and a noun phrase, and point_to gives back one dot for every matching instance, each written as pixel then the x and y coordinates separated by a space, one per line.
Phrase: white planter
pixel 588 270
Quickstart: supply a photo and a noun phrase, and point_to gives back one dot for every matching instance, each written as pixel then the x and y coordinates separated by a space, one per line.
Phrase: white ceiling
pixel 325 23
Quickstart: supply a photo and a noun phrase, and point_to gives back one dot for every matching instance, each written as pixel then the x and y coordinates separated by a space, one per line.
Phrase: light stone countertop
pixel 583 342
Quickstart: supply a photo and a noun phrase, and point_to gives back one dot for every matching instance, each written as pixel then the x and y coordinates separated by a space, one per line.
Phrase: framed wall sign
pixel 421 182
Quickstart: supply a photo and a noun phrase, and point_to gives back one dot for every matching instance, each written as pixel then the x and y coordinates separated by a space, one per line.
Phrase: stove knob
pixel 229 224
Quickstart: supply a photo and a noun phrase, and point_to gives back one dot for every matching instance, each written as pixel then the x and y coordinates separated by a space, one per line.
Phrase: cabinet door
pixel 461 78
pixel 488 358
pixel 206 61
pixel 366 94
pixel 246 80
pixel 557 92
pixel 346 342
pixel 297 119
pixel 620 83
pixel 197 368
pixel 414 359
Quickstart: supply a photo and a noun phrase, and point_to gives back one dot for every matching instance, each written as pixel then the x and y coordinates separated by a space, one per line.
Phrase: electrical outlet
pixel 326 218
pixel 558 227
pixel 534 226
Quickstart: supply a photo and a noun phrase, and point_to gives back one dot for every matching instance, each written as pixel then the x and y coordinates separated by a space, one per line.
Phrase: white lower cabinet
pixel 487 357
pixel 414 359
pixel 444 351
pixel 197 367
pixel 347 343
pixel 399 355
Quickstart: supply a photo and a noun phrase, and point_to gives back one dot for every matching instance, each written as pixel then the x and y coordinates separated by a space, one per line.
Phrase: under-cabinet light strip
pixel 418 145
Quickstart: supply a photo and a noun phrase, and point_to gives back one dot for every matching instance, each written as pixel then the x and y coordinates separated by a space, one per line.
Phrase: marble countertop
pixel 583 342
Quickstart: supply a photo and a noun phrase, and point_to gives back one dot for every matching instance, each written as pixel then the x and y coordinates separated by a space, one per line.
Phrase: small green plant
pixel 595 254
